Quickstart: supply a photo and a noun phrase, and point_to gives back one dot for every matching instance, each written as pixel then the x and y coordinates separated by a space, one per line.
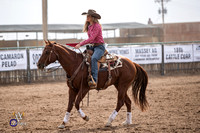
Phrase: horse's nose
pixel 38 65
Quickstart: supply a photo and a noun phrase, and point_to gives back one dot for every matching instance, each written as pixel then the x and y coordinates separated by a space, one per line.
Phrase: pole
pixel 37 38
pixel 28 66
pixel 163 20
pixel 17 40
pixel 163 25
pixel 163 62
pixel 44 20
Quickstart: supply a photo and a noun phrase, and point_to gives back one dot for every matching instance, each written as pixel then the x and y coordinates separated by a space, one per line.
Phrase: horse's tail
pixel 139 86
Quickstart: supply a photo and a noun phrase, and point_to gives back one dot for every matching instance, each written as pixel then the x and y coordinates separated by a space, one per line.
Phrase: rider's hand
pixel 77 46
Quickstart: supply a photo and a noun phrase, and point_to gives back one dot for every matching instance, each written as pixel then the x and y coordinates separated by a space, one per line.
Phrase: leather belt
pixel 97 44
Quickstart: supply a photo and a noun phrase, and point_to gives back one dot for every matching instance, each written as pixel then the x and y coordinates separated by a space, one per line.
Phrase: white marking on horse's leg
pixel 128 119
pixel 111 118
pixel 66 118
pixel 82 114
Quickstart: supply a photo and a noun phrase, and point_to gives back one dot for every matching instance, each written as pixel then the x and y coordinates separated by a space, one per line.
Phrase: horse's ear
pixel 50 44
pixel 45 41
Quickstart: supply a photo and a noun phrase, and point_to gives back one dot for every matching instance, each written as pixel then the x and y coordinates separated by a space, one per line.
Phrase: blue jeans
pixel 98 53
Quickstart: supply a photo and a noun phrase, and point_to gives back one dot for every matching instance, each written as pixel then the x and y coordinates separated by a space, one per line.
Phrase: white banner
pixel 35 55
pixel 123 51
pixel 13 60
pixel 178 53
pixel 146 54
pixel 196 50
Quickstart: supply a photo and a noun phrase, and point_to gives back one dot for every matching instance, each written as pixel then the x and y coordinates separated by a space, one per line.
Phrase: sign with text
pixel 13 60
pixel 146 54
pixel 178 53
pixel 35 55
pixel 123 51
pixel 196 50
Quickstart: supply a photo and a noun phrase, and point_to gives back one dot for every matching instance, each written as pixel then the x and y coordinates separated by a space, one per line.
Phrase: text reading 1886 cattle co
pixel 178 53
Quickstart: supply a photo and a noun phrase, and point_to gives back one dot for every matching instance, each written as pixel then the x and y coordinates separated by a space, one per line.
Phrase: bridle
pixel 49 58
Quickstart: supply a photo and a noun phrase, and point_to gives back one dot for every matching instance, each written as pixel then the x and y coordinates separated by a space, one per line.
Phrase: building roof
pixel 69 28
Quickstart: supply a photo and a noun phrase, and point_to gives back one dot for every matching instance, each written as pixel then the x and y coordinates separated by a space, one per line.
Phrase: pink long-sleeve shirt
pixel 94 35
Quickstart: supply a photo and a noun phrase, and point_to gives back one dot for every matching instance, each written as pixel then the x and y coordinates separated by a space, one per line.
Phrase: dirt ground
pixel 174 107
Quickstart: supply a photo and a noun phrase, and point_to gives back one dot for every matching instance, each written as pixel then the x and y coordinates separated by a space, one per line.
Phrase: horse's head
pixel 48 56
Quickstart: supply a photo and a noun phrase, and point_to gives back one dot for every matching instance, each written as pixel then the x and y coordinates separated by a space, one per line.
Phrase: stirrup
pixel 92 84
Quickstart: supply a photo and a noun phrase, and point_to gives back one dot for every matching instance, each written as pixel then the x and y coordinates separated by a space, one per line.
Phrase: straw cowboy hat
pixel 92 13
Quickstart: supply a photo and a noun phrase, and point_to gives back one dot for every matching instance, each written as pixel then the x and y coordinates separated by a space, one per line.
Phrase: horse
pixel 130 74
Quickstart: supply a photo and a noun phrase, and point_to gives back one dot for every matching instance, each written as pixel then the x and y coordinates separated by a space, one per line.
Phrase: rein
pixel 69 80
pixel 49 58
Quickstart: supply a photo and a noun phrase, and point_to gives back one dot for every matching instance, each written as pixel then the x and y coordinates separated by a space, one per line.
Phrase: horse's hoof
pixel 86 118
pixel 108 124
pixel 126 123
pixel 62 126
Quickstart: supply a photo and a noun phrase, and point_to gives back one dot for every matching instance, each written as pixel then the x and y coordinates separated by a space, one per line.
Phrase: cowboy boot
pixel 92 84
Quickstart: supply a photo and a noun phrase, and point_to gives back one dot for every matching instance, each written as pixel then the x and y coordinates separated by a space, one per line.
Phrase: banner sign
pixel 178 53
pixel 146 54
pixel 123 51
pixel 196 51
pixel 35 55
pixel 13 60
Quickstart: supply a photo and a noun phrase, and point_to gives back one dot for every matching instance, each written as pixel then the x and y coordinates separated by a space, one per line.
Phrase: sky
pixel 111 11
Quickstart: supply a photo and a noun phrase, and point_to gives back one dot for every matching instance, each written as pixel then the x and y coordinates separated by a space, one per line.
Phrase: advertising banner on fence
pixel 178 53
pixel 13 60
pixel 35 55
pixel 146 54
pixel 196 50
pixel 123 51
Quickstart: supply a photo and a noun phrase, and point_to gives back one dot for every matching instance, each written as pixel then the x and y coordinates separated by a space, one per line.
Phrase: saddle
pixel 105 58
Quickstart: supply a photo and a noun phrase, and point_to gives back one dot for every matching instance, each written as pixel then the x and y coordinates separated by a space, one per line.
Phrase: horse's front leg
pixel 81 95
pixel 72 97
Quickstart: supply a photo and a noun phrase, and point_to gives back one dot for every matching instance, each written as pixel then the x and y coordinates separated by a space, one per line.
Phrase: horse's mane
pixel 68 49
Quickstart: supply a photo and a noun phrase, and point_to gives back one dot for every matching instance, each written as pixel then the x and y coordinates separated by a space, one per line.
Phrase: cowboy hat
pixel 92 13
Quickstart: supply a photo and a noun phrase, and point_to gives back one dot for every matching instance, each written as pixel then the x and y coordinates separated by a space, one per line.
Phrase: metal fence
pixel 31 76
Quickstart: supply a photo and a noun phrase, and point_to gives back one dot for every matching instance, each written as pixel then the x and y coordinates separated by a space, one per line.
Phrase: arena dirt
pixel 174 107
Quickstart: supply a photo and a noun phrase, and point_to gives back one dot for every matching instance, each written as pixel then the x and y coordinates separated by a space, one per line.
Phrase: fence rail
pixel 34 75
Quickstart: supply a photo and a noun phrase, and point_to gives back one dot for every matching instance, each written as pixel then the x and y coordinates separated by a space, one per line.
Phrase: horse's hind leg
pixel 128 115
pixel 81 95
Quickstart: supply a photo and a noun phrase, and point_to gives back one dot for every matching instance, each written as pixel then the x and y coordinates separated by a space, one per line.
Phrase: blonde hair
pixel 85 28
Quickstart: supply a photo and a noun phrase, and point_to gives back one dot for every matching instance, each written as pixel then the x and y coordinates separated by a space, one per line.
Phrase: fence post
pixel 163 62
pixel 28 66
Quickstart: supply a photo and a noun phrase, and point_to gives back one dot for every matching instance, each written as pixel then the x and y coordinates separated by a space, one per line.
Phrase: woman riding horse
pixel 130 74
pixel 94 31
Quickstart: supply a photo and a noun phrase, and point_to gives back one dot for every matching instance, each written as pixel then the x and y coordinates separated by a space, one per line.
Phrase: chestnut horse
pixel 122 78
